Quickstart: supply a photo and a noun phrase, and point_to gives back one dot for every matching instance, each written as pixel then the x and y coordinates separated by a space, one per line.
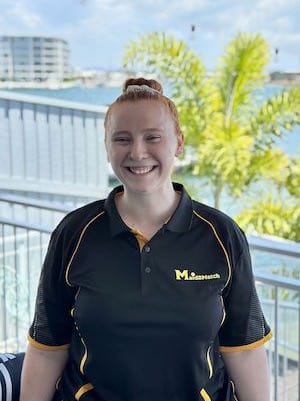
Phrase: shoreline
pixel 38 85
pixel 86 84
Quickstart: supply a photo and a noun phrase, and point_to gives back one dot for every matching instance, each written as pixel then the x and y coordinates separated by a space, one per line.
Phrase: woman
pixel 147 295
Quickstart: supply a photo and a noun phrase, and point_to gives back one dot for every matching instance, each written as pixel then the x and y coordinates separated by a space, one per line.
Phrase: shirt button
pixel 148 269
pixel 147 248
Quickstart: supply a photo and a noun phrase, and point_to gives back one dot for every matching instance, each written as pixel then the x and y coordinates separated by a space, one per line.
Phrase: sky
pixel 98 30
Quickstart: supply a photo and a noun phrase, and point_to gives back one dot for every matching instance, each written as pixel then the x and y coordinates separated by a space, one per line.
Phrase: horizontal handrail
pixel 26 226
pixel 274 244
pixel 278 281
pixel 265 243
pixel 20 97
pixel 39 204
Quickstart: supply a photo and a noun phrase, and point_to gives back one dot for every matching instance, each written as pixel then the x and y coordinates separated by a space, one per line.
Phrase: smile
pixel 141 170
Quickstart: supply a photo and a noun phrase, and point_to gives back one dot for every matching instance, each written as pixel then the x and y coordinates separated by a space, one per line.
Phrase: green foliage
pixel 234 136
pixel 292 181
pixel 276 115
pixel 181 68
pixel 272 216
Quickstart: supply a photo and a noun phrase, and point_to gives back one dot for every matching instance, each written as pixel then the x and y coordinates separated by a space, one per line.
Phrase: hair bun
pixel 151 83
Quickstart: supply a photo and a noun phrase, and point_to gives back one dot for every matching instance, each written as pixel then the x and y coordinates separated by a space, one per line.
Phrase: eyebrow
pixel 144 130
pixel 120 133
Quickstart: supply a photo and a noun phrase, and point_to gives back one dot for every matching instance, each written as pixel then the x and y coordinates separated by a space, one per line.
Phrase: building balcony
pixel 53 161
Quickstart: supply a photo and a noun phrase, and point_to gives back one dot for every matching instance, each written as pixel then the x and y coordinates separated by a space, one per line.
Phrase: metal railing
pixel 37 211
pixel 52 146
pixel 22 249
pixel 280 298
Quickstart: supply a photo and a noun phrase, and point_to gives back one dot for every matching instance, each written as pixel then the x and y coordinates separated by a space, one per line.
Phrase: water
pixel 99 95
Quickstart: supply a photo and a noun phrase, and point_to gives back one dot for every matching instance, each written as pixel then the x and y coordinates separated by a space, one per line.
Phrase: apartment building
pixel 33 58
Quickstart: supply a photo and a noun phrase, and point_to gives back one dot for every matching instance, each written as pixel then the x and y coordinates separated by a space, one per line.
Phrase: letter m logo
pixel 182 275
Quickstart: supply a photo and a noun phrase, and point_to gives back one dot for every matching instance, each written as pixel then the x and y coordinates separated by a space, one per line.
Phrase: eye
pixel 153 138
pixel 121 139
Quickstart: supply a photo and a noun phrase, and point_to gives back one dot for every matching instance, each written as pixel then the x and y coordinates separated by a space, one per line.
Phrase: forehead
pixel 139 114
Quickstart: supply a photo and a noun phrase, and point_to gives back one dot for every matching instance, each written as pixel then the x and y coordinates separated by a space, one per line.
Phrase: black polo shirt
pixel 146 322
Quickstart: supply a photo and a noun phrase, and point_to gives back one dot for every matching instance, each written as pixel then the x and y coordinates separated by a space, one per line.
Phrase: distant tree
pixel 278 213
pixel 273 216
pixel 232 130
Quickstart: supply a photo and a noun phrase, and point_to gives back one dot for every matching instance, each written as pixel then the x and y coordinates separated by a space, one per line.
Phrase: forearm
pixel 249 372
pixel 41 369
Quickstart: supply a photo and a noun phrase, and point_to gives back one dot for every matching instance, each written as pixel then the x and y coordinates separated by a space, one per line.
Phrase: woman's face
pixel 141 144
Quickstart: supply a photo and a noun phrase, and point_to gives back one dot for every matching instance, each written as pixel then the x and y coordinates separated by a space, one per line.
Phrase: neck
pixel 139 210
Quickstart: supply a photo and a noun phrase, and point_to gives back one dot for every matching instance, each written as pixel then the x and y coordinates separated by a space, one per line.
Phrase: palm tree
pixel 233 132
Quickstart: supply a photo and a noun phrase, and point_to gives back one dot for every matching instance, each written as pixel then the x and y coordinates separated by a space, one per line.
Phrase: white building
pixel 33 58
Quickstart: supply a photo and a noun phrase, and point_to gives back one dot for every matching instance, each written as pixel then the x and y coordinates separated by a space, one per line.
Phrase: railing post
pixel 298 345
pixel 276 346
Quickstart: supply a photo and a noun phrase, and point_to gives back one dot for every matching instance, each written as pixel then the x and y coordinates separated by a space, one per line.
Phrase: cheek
pixel 107 151
pixel 114 156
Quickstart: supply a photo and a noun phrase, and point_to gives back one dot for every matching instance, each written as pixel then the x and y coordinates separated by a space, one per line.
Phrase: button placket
pixel 146 268
pixel 147 248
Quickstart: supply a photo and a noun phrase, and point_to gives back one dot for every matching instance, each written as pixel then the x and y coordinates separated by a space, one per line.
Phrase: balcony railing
pixel 23 246
pixel 52 146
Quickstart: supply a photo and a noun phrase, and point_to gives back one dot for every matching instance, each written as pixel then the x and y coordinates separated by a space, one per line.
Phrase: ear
pixel 180 145
pixel 106 150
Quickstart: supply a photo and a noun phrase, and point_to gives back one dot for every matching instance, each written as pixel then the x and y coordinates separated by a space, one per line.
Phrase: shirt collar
pixel 180 221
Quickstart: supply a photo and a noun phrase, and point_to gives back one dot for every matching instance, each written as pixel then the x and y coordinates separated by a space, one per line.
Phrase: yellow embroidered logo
pixel 186 275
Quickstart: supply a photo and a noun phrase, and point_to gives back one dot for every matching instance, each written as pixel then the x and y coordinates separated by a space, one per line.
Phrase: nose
pixel 138 150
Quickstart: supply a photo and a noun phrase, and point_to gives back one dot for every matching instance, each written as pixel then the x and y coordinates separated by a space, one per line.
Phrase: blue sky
pixel 98 30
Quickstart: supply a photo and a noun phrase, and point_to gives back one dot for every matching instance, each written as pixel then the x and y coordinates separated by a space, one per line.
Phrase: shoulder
pixel 75 221
pixel 221 224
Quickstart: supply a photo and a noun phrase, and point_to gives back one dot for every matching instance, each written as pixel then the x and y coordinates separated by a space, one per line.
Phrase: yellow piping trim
pixel 247 346
pixel 76 296
pixel 204 395
pixel 224 311
pixel 45 347
pixel 233 389
pixel 84 358
pixel 83 389
pixel 77 246
pixel 209 362
pixel 221 244
pixel 57 382
pixel 77 293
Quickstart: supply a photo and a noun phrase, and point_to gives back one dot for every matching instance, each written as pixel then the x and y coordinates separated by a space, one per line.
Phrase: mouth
pixel 141 170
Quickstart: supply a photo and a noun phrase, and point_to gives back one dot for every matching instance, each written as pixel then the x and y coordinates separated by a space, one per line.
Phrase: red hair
pixel 153 92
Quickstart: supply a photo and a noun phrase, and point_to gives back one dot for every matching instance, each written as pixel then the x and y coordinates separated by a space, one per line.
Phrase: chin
pixel 140 188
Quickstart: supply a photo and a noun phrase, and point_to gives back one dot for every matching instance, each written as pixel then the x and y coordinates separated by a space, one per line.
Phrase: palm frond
pixel 271 216
pixel 278 114
pixel 170 58
pixel 241 70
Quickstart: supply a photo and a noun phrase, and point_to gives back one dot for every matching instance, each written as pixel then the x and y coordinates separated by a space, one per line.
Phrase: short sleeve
pixel 52 324
pixel 245 326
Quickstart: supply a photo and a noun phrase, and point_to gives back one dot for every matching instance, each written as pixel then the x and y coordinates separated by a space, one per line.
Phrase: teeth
pixel 140 170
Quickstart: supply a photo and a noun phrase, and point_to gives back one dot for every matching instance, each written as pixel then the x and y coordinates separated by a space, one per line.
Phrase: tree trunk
pixel 217 194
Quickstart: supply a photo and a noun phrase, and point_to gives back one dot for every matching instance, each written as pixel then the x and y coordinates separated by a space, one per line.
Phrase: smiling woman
pixel 146 295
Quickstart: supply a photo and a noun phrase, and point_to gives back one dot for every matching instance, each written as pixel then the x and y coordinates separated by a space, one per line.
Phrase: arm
pixel 249 372
pixel 41 369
